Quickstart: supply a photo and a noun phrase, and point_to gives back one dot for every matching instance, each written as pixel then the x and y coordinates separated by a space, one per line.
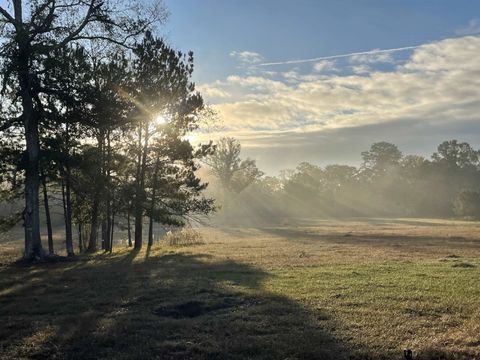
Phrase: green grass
pixel 296 293
pixel 382 308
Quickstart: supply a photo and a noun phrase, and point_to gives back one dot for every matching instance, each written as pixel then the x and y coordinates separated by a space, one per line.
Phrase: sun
pixel 160 120
pixel 191 138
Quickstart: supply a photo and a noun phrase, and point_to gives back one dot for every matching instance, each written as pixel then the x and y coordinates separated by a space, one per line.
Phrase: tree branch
pixel 7 16
pixel 122 43
pixel 91 9
pixel 9 123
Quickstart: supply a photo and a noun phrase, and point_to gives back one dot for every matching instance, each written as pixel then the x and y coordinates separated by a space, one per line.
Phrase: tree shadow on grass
pixel 175 306
pixel 303 236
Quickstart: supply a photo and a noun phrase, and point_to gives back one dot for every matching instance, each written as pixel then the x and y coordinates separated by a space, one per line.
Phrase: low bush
pixel 184 237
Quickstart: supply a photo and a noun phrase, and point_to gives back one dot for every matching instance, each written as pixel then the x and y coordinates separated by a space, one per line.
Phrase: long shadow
pixel 380 240
pixel 174 306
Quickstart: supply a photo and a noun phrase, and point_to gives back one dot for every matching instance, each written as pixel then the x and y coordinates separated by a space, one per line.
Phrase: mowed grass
pixel 359 289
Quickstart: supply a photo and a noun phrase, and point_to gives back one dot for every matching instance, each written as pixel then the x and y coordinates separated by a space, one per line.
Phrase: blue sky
pixel 232 38
pixel 291 29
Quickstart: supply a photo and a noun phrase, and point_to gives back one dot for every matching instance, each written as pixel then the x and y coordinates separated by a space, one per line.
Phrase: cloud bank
pixel 437 87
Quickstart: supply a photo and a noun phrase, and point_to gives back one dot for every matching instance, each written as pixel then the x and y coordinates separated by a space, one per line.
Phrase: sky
pixel 321 80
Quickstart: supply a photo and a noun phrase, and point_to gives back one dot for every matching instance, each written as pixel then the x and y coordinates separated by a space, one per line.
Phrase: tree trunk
pixel 152 202
pixel 68 215
pixel 138 226
pixel 68 196
pixel 92 243
pixel 111 229
pixel 47 216
pixel 108 197
pixel 108 226
pixel 137 209
pixel 112 223
pixel 33 242
pixel 104 234
pixel 97 198
pixel 129 230
pixel 140 193
pixel 80 238
pixel 150 232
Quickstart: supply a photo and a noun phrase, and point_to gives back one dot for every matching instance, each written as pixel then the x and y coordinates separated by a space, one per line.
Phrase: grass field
pixel 358 289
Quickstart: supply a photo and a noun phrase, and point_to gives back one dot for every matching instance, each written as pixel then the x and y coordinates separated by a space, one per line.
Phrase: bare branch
pixel 46 25
pixel 7 16
pixel 122 43
pixel 9 123
pixel 86 20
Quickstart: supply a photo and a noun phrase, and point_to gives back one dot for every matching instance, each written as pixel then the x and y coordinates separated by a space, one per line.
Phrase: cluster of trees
pixel 95 108
pixel 387 183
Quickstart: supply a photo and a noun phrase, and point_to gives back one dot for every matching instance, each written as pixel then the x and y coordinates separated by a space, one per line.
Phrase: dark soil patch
pixel 463 265
pixel 191 309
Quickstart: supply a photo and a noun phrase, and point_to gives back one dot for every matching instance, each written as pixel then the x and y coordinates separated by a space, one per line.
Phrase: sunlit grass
pixel 287 292
pixel 393 305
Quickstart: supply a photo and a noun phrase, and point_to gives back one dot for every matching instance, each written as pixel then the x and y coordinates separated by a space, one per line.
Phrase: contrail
pixel 378 51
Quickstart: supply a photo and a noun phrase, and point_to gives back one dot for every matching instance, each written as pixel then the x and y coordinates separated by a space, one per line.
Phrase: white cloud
pixel 247 57
pixel 256 83
pixel 212 91
pixel 324 65
pixel 375 56
pixel 438 87
pixel 361 69
pixel 472 28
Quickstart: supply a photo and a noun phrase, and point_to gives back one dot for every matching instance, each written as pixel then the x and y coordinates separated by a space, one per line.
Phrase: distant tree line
pixel 95 110
pixel 387 183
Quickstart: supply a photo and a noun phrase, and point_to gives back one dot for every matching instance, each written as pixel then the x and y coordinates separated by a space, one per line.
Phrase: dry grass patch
pixel 184 237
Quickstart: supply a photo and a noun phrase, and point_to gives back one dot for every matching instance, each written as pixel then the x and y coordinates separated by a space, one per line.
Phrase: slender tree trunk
pixel 47 216
pixel 111 230
pixel 92 242
pixel 140 193
pixel 152 202
pixel 108 196
pixel 137 207
pixel 129 230
pixel 150 232
pixel 64 203
pixel 112 223
pixel 104 234
pixel 138 225
pixel 80 238
pixel 108 226
pixel 104 189
pixel 68 196
pixel 68 215
pixel 33 242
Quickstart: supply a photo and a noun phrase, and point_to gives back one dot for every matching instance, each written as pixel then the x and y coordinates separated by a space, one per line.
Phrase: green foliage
pixel 467 203
pixel 381 158
pixel 233 173
pixel 456 154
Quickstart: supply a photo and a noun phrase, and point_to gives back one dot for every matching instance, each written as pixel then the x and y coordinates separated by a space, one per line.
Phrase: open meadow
pixel 356 289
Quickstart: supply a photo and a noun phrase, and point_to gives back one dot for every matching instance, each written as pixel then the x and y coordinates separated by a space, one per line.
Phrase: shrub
pixel 184 237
